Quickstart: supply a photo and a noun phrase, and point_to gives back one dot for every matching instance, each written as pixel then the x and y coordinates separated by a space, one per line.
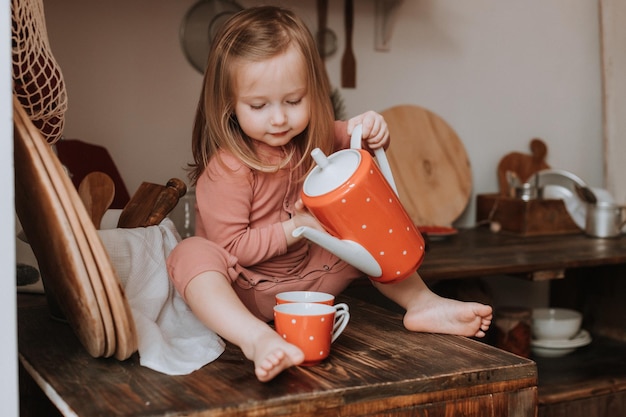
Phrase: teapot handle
pixel 381 157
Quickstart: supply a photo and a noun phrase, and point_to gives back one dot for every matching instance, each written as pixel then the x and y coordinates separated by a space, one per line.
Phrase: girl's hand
pixel 301 217
pixel 375 131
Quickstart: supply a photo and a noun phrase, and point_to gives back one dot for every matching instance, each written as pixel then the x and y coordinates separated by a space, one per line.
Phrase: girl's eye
pixel 295 102
pixel 256 106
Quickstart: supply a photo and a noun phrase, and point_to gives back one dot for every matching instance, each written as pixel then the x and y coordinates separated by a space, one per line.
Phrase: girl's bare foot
pixel 271 355
pixel 443 315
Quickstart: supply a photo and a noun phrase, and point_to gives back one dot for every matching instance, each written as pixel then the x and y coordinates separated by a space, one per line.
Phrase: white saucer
pixel 557 348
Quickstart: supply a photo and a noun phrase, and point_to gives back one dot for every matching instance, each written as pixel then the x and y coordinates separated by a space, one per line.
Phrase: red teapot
pixel 357 202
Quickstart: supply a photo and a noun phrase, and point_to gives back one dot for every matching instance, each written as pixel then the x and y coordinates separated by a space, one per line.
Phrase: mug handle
pixel 342 317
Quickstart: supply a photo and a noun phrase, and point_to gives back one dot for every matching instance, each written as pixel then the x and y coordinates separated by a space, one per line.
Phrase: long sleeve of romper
pixel 238 209
pixel 242 210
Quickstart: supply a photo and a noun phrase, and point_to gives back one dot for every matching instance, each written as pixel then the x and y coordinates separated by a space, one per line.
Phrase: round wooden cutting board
pixel 430 165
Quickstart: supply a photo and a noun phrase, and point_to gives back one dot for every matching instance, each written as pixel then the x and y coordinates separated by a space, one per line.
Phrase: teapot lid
pixel 331 171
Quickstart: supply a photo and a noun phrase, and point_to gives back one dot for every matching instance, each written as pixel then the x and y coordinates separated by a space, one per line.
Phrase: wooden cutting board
pixel 119 336
pixel 430 165
pixel 52 239
pixel 523 165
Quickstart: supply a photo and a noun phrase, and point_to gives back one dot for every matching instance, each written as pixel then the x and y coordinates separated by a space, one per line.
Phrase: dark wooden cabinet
pixel 587 274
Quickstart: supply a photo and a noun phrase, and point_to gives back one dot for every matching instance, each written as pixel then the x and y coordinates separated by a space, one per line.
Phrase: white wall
pixel 8 329
pixel 614 60
pixel 499 72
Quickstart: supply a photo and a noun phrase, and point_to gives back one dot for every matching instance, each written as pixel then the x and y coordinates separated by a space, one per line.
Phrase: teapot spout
pixel 347 250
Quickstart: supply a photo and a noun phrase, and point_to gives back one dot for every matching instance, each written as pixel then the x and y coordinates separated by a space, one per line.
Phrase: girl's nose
pixel 278 117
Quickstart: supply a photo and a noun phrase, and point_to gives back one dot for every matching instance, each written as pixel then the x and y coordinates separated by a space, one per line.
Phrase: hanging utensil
pixel 348 61
pixel 326 39
pixel 586 194
pixel 199 27
pixel 322 14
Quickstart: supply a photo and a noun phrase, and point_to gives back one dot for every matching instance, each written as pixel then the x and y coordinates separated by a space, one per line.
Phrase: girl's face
pixel 272 103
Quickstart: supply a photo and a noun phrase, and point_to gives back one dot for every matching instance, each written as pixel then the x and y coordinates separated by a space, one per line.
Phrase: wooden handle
pixel 348 21
pixel 97 191
pixel 166 201
pixel 151 203
pixel 322 13
pixel 348 61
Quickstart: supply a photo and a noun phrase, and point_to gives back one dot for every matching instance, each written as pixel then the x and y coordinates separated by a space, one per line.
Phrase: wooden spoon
pixel 97 191
pixel 348 61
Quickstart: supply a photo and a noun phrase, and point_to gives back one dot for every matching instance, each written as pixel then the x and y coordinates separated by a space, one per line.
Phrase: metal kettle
pixel 357 203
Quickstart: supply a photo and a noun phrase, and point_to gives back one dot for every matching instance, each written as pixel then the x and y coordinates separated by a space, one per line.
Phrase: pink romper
pixel 239 234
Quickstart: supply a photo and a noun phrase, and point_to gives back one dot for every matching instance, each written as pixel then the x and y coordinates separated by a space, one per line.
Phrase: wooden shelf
pixel 478 252
pixel 587 375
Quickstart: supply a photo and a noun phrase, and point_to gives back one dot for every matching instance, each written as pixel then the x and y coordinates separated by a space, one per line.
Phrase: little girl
pixel 264 106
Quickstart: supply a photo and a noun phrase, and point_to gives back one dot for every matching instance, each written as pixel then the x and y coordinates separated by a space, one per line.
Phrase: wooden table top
pixel 478 252
pixel 375 365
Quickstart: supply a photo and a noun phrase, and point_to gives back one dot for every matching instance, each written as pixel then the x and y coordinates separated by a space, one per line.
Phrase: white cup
pixel 305 297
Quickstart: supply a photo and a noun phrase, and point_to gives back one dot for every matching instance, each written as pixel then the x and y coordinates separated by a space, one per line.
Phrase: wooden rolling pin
pixel 151 203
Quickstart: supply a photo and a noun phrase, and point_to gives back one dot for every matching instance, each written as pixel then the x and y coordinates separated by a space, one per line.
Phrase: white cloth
pixel 170 338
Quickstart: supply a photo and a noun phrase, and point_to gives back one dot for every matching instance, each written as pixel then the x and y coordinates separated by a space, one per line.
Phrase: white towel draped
pixel 171 339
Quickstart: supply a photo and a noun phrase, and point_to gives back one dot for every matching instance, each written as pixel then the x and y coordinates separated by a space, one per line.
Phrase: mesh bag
pixel 37 79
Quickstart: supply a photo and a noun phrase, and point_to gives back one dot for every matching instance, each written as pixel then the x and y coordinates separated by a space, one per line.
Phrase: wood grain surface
pixel 348 60
pixel 430 165
pixel 376 367
pixel 151 203
pixel 478 252
pixel 53 241
pixel 96 191
pixel 119 336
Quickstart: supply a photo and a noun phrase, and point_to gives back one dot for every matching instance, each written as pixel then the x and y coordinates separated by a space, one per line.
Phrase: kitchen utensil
pixel 93 255
pixel 523 165
pixel 605 219
pixel 560 177
pixel 199 27
pixel 52 239
pixel 513 182
pixel 119 337
pixel 586 194
pixel 430 165
pixel 96 191
pixel 528 191
pixel 151 203
pixel 357 204
pixel 322 17
pixel 348 61
pixel 80 223
pixel 561 184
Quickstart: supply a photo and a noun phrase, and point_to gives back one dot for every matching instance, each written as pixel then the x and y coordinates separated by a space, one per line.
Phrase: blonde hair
pixel 257 34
